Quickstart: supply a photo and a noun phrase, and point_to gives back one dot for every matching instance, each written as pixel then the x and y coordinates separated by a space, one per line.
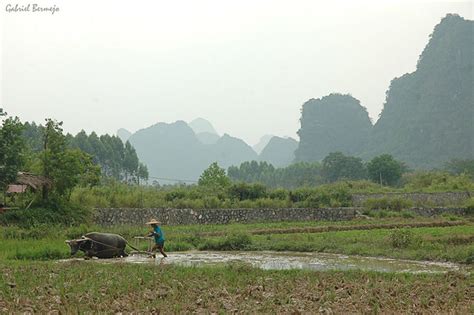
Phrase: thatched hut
pixel 25 180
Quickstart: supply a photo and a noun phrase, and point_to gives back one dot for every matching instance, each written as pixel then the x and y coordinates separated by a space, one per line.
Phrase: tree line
pixel 116 159
pixel 383 169
pixel 66 160
pixel 336 166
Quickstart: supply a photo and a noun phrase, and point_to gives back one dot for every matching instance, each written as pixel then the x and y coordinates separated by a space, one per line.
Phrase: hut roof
pixel 32 180
pixel 16 189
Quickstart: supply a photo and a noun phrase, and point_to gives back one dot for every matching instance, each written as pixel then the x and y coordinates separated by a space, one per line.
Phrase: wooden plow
pixel 138 241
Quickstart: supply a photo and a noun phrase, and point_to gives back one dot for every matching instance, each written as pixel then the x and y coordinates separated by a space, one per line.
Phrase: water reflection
pixel 293 260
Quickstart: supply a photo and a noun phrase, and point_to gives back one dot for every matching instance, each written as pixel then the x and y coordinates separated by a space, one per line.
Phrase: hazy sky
pixel 246 66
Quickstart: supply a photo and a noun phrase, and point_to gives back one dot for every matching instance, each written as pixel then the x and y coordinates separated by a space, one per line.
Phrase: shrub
pixel 437 181
pixel 245 204
pixel 383 214
pixel 365 186
pixel 389 214
pixel 280 194
pixel 340 193
pixel 270 203
pixel 451 216
pixel 401 238
pixel 175 194
pixel 187 204
pixel 211 202
pixel 398 204
pixel 335 195
pixel 244 191
pixel 318 199
pixel 64 215
pixel 469 204
pixel 395 204
pixel 407 214
pixel 470 258
pixel 227 204
pixel 373 204
pixel 300 194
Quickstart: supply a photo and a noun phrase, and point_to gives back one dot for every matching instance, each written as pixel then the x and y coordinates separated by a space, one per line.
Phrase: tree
pixel 251 171
pixel 33 136
pixel 142 172
pixel 214 177
pixel 54 144
pixel 66 167
pixel 457 167
pixel 294 175
pixel 116 159
pixel 337 166
pixel 244 191
pixel 130 161
pixel 385 169
pixel 12 147
pixel 77 168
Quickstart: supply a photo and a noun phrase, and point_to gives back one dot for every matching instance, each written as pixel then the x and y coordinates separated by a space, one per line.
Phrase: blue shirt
pixel 159 236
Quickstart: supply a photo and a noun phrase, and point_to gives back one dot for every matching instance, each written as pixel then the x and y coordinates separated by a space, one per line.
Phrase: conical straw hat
pixel 153 221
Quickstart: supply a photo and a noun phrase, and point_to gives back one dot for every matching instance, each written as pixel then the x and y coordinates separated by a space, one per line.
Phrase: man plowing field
pixel 157 233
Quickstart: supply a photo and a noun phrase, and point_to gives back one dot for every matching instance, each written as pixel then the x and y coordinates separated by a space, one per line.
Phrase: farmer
pixel 159 237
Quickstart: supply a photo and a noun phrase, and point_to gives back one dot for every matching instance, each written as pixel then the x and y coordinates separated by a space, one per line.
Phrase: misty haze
pixel 202 147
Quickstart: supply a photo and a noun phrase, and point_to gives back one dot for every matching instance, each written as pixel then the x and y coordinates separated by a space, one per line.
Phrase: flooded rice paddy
pixel 294 260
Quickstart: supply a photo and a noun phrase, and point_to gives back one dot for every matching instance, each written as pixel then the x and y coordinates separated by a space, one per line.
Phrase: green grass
pixel 90 287
pixel 43 249
pixel 451 243
pixel 427 244
pixel 32 279
pixel 116 195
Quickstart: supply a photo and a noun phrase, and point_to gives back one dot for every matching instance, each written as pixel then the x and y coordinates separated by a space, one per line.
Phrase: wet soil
pixel 269 260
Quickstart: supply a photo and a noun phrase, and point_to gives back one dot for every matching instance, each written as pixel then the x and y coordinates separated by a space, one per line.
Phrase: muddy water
pixel 293 260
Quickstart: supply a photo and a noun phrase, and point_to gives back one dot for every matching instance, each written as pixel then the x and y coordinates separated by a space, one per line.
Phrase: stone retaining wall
pixel 419 199
pixel 128 216
pixel 218 216
pixel 431 212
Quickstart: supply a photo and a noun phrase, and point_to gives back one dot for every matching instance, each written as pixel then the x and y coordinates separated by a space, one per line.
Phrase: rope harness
pixel 107 245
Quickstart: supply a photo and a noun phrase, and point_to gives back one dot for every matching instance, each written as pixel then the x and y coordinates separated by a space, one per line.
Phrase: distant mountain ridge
pixel 201 125
pixel 427 119
pixel 175 151
pixel 179 151
pixel 207 137
pixel 170 150
pixel 228 151
pixel 428 115
pixel 262 143
pixel 123 134
pixel 332 123
pixel 280 152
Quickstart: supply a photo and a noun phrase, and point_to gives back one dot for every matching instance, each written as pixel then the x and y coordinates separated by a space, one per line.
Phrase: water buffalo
pixel 100 245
